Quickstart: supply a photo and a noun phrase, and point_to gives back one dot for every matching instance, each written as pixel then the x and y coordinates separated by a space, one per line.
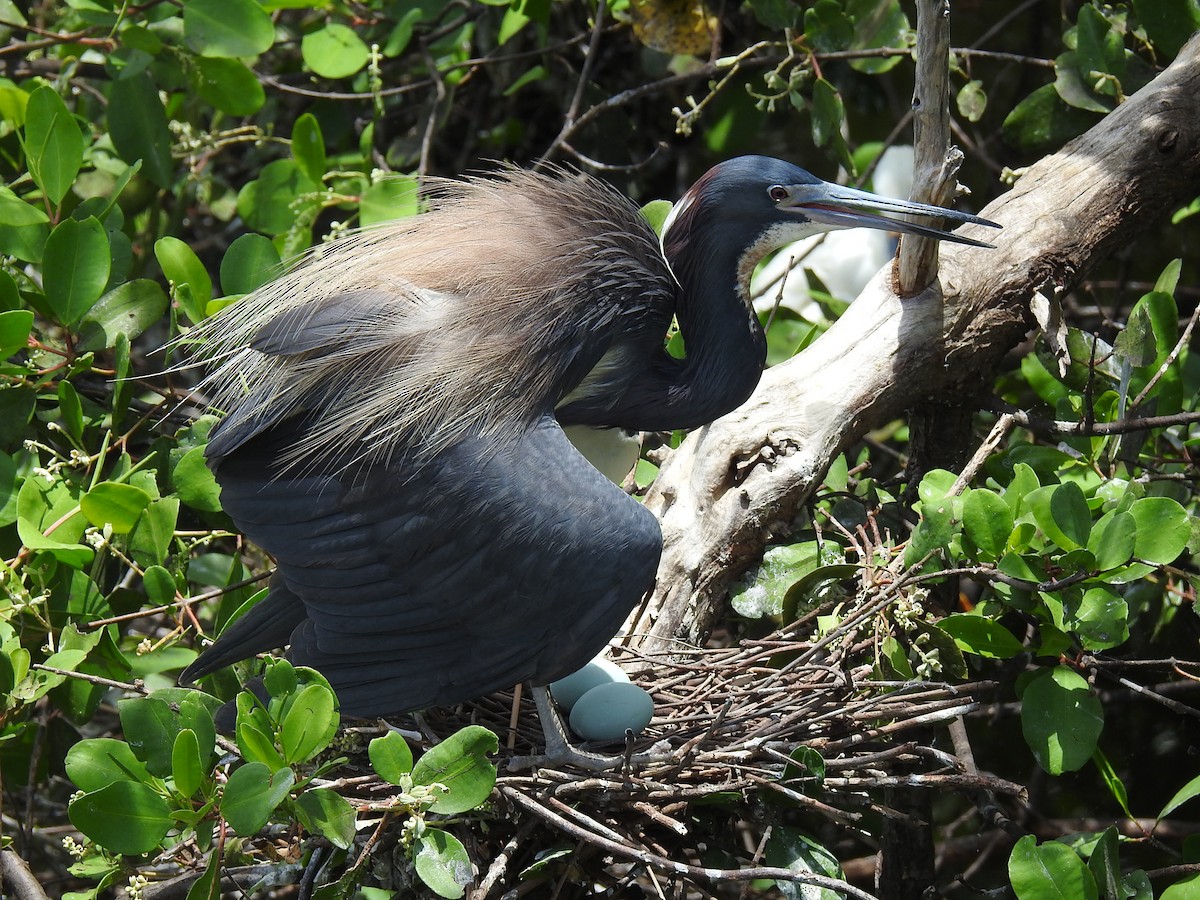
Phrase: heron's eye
pixel 777 192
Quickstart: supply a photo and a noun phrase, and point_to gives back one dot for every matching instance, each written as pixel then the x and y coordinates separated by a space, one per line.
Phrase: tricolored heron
pixel 393 434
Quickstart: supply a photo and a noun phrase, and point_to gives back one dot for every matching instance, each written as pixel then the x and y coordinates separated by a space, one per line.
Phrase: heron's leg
pixel 560 751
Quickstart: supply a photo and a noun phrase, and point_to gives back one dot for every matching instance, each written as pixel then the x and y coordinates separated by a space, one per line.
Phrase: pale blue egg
pixel 607 710
pixel 599 671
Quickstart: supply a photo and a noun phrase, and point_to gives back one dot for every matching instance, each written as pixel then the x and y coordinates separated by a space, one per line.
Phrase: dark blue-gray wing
pixel 427 585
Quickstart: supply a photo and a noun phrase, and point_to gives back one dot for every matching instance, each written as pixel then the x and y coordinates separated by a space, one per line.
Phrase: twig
pixel 18 878
pixel 649 859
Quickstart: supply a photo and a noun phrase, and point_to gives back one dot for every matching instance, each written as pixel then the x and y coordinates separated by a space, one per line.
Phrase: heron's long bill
pixel 844 207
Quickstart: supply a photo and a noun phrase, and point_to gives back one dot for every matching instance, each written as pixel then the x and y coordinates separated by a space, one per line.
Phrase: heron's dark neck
pixel 725 344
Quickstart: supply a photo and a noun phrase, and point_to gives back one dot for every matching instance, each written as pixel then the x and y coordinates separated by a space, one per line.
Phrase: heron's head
pixel 755 204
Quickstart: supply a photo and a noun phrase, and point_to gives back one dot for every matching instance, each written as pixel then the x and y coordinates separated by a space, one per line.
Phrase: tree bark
pixel 737 483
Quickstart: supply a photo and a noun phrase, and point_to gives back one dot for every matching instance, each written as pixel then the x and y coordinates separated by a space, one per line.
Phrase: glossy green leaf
pixel 251 795
pixel 1151 330
pixel 308 147
pixel 1051 871
pixel 150 728
pixel 1189 791
pixel 98 762
pixel 790 848
pixel 196 712
pixel 181 267
pixel 309 725
pixel 981 636
pixel 334 51
pixel 1043 119
pixel 1061 719
pixel 159 584
pixel 186 764
pixel 877 23
pixel 266 203
pixel 1062 512
pixel 933 535
pixel 70 412
pixel 325 812
pixel 250 262
pixel 75 267
pixel 392 198
pixel 1100 618
pixel 1113 540
pixel 460 764
pixel 442 863
pixel 987 521
pixel 42 506
pixel 1163 529
pixel 1112 781
pixel 257 745
pixel 231 28
pixel 129 309
pixel 229 85
pixel 1168 23
pixel 137 123
pixel 827 27
pixel 124 817
pixel 391 757
pixel 655 212
pixel 194 482
pixel 115 504
pixel 53 144
pixel 16 212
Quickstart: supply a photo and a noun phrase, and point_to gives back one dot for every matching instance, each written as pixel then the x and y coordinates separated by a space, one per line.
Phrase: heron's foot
pixel 560 752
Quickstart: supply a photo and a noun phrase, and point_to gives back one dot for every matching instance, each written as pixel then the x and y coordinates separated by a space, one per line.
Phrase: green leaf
pixel 396 197
pixel 981 636
pixel 98 762
pixel 309 725
pixel 182 267
pixel 987 521
pixel 460 763
pixel 1062 512
pixel 137 123
pixel 655 212
pixel 125 817
pixel 75 267
pixel 194 482
pixel 251 794
pixel 1189 791
pixel 442 863
pixel 877 23
pixel 1052 871
pixel 1113 540
pixel 229 86
pixel 250 262
pixel 150 728
pixel 53 144
pixel 1168 23
pixel 70 411
pixel 129 309
pixel 257 746
pixel 790 848
pixel 187 767
pixel 827 27
pixel 1163 529
pixel 1112 781
pixel 308 147
pixel 325 812
pixel 1061 719
pixel 334 51
pixel 115 504
pixel 266 203
pixel 15 326
pixel 196 712
pixel 934 532
pixel 229 28
pixel 1150 332
pixel 1100 619
pixel 1043 119
pixel 972 100
pixel 16 212
pixel 391 757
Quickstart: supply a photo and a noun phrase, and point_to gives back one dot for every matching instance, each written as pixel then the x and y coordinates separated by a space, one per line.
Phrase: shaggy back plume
pixel 473 315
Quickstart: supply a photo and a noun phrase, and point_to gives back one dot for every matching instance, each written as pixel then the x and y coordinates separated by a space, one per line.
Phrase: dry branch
pixel 735 484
